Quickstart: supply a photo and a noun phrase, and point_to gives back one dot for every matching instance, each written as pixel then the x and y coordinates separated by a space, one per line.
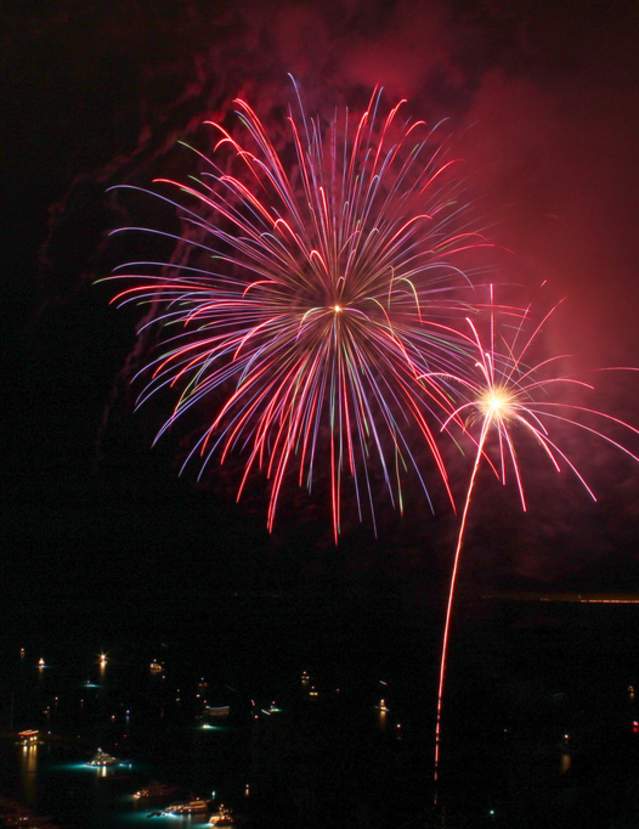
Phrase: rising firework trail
pixel 313 313
pixel 509 399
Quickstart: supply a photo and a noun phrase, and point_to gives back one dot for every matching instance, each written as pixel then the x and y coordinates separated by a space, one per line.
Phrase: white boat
pixel 102 759
pixel 29 737
pixel 154 790
pixel 217 711
pixel 191 807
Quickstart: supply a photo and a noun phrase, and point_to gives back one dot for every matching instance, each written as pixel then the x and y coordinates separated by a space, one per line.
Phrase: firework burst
pixel 310 314
pixel 511 399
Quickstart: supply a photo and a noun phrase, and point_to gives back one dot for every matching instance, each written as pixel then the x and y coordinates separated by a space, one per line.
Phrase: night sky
pixel 543 98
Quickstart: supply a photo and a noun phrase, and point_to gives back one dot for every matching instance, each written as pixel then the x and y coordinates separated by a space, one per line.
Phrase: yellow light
pixel 496 402
pixel 337 309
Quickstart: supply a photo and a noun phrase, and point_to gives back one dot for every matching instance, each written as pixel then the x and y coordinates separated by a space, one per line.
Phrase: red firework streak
pixel 508 399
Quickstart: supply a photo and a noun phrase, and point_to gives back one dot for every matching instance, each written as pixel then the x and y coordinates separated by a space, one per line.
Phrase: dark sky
pixel 545 105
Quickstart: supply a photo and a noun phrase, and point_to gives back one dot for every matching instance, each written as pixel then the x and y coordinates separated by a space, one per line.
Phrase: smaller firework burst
pixel 507 399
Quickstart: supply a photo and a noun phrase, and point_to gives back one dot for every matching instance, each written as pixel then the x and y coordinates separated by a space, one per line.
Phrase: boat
pixel 154 790
pixel 216 711
pixel 101 759
pixel 223 817
pixel 190 807
pixel 29 737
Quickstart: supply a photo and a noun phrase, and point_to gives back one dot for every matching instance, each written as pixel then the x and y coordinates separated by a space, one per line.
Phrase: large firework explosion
pixel 310 316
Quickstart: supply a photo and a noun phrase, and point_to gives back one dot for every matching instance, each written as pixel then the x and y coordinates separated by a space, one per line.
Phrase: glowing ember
pixel 496 403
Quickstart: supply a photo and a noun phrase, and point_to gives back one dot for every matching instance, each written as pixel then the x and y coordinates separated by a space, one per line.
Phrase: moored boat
pixel 216 711
pixel 28 737
pixel 101 759
pixel 190 807
pixel 222 817
pixel 155 790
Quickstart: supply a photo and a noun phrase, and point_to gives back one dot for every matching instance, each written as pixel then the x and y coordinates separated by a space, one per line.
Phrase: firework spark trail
pixel 336 283
pixel 507 394
pixel 449 604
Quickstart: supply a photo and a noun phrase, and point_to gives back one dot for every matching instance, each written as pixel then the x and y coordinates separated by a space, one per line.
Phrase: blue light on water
pixel 74 767
pixel 143 816
pixel 162 819
pixel 85 767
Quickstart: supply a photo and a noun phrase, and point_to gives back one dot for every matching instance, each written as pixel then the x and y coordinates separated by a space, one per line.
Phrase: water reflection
pixel 565 762
pixel 382 714
pixel 29 770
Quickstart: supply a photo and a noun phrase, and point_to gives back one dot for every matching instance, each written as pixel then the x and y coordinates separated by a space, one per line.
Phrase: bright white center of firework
pixel 337 309
pixel 495 403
